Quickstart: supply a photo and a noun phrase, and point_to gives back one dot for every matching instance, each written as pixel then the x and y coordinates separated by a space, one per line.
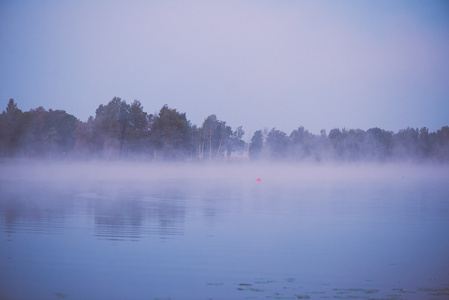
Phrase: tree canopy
pixel 122 130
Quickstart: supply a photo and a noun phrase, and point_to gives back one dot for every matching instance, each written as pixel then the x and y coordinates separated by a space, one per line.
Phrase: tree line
pixel 126 131
pixel 118 130
pixel 375 144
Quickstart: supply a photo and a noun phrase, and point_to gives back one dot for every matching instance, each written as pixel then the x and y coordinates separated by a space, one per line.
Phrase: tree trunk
pixel 219 149
pixel 210 146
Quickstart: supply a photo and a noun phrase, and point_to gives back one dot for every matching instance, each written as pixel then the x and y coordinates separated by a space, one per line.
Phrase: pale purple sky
pixel 319 64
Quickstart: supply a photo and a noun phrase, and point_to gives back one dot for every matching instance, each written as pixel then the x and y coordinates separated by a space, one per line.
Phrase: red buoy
pixel 258 179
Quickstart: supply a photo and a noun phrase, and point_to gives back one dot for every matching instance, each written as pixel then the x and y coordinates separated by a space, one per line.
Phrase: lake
pixel 145 231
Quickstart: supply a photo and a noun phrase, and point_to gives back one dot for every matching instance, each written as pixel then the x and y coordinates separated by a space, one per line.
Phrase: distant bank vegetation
pixel 125 131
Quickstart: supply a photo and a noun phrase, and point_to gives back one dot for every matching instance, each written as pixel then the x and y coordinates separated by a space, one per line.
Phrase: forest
pixel 125 131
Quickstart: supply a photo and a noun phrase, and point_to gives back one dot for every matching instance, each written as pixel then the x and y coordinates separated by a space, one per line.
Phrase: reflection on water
pixel 114 214
pixel 211 239
pixel 124 218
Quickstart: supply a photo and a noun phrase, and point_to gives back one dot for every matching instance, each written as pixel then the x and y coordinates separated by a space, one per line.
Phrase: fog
pixel 74 173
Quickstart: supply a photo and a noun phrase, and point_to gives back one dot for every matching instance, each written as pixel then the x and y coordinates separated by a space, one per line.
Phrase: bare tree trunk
pixel 219 149
pixel 201 150
pixel 210 146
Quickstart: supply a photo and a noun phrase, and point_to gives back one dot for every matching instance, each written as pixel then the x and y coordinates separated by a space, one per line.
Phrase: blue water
pixel 225 239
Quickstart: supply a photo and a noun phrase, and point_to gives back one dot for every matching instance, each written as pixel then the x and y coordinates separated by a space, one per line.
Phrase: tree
pixel 111 122
pixel 236 142
pixel 277 143
pixel 424 142
pixel 196 142
pixel 138 130
pixel 321 146
pixel 209 128
pixel 48 134
pixel 171 134
pixel 301 143
pixel 336 141
pixel 216 137
pixel 11 128
pixel 34 141
pixel 224 136
pixel 406 143
pixel 353 144
pixel 378 144
pixel 60 133
pixel 441 145
pixel 85 139
pixel 256 145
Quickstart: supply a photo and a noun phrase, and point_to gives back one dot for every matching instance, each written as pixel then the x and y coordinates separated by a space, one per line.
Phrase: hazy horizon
pixel 101 171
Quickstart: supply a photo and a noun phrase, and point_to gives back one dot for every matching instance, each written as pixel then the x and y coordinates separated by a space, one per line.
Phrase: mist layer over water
pixel 76 172
pixel 179 231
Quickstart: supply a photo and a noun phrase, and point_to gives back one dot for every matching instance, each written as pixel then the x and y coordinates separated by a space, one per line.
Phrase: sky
pixel 256 64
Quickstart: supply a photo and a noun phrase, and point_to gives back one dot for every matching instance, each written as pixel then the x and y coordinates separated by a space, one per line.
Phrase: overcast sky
pixel 319 64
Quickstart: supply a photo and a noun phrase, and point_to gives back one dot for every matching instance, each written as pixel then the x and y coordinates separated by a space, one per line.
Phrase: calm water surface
pixel 225 239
